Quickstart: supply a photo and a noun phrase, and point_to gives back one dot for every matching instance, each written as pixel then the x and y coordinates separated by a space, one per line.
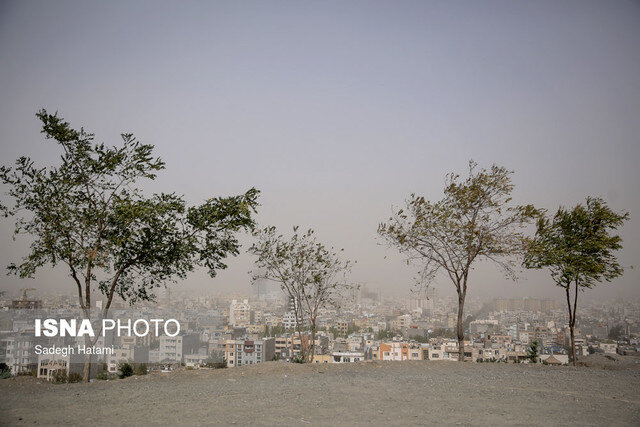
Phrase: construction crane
pixel 25 302
pixel 24 293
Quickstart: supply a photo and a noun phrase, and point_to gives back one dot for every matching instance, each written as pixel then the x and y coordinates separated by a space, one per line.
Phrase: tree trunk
pixel 302 354
pixel 572 319
pixel 461 296
pixel 573 344
pixel 86 372
pixel 312 350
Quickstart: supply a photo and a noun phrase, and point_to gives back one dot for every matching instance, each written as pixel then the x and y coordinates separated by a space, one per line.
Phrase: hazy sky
pixel 337 110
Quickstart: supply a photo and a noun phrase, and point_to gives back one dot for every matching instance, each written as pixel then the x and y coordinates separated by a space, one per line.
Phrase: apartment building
pixel 240 314
pixel 248 352
pixel 399 351
pixel 172 349
pixel 290 345
pixel 289 320
pixel 19 348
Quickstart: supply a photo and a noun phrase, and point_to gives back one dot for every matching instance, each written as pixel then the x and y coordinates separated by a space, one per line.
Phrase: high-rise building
pixel 240 313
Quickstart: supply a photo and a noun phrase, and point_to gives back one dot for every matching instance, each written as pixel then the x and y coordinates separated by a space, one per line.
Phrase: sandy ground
pixel 377 393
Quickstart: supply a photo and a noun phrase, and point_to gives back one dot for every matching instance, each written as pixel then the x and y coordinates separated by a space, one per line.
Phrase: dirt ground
pixel 277 393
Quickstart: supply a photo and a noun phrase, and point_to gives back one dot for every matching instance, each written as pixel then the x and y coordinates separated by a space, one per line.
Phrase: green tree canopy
pixel 578 248
pixel 88 214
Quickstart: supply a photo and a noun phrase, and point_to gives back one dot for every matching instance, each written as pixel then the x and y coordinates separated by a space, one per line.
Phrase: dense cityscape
pixel 235 330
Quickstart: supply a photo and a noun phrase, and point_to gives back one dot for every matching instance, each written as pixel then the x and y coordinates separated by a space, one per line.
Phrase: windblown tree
pixel 88 214
pixel 474 221
pixel 310 274
pixel 578 248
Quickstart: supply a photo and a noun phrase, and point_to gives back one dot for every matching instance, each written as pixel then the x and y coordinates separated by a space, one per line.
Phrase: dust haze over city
pixel 271 184
pixel 337 111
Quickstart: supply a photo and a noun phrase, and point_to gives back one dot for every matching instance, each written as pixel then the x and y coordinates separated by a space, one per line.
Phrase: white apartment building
pixel 289 320
pixel 172 349
pixel 240 314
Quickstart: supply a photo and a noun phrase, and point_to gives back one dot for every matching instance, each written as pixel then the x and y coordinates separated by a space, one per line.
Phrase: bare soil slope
pixel 372 392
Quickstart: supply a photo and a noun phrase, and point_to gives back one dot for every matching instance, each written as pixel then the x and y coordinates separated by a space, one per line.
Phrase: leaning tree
pixel 578 248
pixel 313 276
pixel 475 220
pixel 88 213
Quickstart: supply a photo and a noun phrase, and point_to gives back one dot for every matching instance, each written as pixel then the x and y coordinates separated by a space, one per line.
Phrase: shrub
pixel 215 363
pixel 5 374
pixel 141 369
pixel 60 376
pixel 75 377
pixel 5 371
pixel 125 370
pixel 297 359
pixel 104 375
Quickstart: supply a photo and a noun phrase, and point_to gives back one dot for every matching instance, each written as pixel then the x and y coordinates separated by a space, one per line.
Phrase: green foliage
pixel 103 375
pixel 577 245
pixel 5 371
pixel 533 352
pixel 298 359
pixel 60 376
pixel 88 214
pixel 126 370
pixel 578 248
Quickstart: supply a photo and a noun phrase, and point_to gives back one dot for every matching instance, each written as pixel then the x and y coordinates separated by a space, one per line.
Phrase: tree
pixel 578 249
pixel 5 371
pixel 88 214
pixel 474 221
pixel 311 275
pixel 616 332
pixel 126 370
pixel 532 352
